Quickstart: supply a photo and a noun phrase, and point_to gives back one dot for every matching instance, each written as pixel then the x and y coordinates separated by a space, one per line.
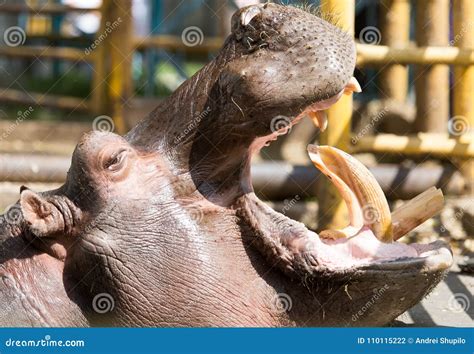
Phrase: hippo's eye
pixel 115 161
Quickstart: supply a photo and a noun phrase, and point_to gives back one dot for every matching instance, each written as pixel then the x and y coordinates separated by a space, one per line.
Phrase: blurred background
pixel 70 66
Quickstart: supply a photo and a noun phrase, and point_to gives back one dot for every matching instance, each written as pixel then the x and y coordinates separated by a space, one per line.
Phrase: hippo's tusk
pixel 352 86
pixel 317 111
pixel 319 118
pixel 327 167
pixel 248 14
pixel 359 189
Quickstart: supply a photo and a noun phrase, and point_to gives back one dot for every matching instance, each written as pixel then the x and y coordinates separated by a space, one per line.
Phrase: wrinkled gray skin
pixel 165 220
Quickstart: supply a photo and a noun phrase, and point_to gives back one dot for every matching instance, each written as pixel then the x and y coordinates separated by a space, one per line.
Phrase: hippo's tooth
pixel 247 15
pixel 352 86
pixel 358 188
pixel 346 232
pixel 319 118
pixel 327 167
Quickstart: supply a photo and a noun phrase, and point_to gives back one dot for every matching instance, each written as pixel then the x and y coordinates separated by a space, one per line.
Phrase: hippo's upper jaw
pixel 290 60
pixel 279 61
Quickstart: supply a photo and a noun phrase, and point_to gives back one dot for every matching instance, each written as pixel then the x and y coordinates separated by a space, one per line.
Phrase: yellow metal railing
pixel 435 81
pixel 338 132
pixel 110 55
pixel 39 21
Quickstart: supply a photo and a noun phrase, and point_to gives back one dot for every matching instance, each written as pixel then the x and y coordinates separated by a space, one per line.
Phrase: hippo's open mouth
pixel 369 241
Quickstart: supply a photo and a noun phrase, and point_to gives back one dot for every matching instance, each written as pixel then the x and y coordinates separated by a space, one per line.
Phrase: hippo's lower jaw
pixel 346 276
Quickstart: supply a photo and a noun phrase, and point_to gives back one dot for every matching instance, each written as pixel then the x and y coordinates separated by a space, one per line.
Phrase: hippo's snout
pixel 313 57
pixel 319 50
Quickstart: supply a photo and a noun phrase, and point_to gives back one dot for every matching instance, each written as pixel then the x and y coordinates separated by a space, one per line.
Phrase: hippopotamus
pixel 161 227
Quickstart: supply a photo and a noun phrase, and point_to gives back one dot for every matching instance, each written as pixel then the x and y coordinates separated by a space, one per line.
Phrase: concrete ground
pixel 449 305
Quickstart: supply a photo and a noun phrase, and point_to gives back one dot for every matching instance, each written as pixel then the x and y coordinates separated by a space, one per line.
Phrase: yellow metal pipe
pixel 170 42
pixel 43 52
pixel 119 48
pixel 368 55
pixel 99 84
pixel 335 214
pixel 43 100
pixel 42 9
pixel 432 81
pixel 395 30
pixel 421 144
pixel 463 103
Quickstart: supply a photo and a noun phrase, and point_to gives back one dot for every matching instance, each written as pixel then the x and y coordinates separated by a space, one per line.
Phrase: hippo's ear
pixel 43 217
